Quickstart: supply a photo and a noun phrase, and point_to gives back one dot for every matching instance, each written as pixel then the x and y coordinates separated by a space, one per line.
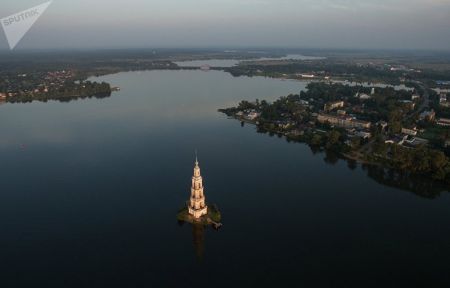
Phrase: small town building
pixel 443 122
pixel 411 105
pixel 409 131
pixel 397 139
pixel 383 125
pixel 445 104
pixel 303 102
pixel 414 142
pixel 363 134
pixel 364 96
pixel 343 121
pixel 429 116
pixel 252 115
pixel 333 105
pixel 443 100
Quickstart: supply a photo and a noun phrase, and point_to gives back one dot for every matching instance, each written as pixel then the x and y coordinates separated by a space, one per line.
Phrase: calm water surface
pixel 90 191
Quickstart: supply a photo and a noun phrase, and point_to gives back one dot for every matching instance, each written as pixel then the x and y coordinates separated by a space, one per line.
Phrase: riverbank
pixel 296 137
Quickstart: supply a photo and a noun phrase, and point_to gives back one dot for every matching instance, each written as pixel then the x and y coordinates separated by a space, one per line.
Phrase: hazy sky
pixel 410 24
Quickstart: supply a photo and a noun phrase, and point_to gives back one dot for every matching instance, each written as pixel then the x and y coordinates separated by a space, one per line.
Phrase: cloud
pixel 316 23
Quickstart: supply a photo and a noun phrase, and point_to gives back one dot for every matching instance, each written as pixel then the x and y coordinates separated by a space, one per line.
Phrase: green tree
pixel 316 140
pixel 333 138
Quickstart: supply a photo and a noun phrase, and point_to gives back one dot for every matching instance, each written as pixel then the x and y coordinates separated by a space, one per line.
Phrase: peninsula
pixel 405 130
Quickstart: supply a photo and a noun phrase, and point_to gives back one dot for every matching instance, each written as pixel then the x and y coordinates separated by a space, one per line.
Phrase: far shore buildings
pixel 306 75
pixel 343 121
pixel 197 203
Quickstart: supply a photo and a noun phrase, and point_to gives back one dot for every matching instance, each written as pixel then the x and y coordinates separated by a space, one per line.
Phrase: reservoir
pixel 91 189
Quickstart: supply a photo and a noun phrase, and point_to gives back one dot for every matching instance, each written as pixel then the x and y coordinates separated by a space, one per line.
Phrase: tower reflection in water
pixel 198 237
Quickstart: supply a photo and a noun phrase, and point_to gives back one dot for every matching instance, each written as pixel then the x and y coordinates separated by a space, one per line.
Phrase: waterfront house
pixel 252 115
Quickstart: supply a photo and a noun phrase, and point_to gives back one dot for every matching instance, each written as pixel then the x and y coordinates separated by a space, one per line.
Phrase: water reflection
pixel 419 185
pixel 58 98
pixel 331 157
pixel 198 237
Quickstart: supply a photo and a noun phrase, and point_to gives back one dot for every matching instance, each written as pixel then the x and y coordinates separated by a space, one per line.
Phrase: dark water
pixel 90 191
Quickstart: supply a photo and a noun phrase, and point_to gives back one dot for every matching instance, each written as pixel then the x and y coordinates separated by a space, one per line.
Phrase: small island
pixel 212 217
pixel 196 211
